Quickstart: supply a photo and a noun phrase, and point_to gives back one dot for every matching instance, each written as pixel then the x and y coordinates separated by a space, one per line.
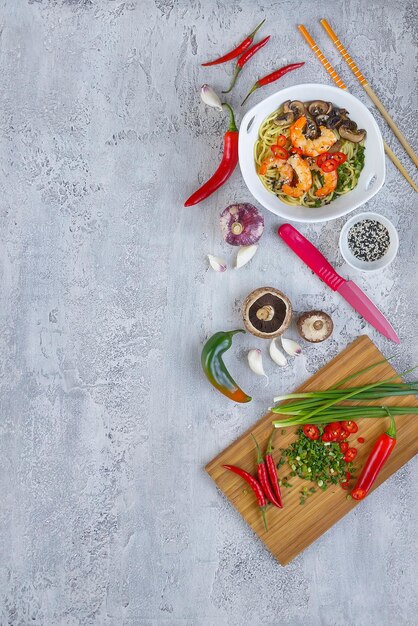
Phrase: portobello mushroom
pixel 284 119
pixel 319 107
pixel 267 312
pixel 315 326
pixel 348 130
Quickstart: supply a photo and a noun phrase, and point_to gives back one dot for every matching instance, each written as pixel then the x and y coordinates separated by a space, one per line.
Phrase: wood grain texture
pixel 295 527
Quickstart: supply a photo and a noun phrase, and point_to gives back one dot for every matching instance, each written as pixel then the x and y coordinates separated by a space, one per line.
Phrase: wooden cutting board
pixel 296 526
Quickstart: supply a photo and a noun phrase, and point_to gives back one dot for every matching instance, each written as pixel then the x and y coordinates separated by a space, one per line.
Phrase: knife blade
pixel 316 261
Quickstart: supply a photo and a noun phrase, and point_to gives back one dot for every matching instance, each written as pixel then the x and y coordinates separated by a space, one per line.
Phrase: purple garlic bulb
pixel 241 224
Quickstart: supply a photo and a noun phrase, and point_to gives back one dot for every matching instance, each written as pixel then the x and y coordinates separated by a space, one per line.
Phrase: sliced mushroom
pixel 335 119
pixel 354 134
pixel 267 312
pixel 311 130
pixel 296 107
pixel 315 326
pixel 284 119
pixel 322 120
pixel 319 107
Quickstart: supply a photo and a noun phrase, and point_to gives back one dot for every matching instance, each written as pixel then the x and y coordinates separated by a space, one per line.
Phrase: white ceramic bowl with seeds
pixel 361 264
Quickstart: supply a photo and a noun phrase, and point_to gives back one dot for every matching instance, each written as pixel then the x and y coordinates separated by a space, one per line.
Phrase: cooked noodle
pixel 348 172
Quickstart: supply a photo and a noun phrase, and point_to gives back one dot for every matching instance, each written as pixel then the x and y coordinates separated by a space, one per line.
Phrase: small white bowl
pixel 372 175
pixel 369 266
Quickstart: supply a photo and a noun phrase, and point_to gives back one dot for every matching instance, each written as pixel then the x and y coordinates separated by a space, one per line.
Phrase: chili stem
pixel 232 125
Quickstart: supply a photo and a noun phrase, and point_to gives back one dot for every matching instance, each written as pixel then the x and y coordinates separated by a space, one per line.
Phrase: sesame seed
pixel 368 240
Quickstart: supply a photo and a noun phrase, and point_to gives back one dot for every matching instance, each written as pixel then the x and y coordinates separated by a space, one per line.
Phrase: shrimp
pixel 285 170
pixel 330 183
pixel 304 177
pixel 311 147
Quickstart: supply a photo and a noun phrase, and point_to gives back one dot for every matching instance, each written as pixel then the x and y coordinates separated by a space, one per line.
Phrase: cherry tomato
pixel 311 431
pixel 345 485
pixel 334 430
pixel 350 426
pixel 340 157
pixel 350 455
pixel 295 150
pixel 280 152
pixel 326 437
pixel 329 166
pixel 281 141
pixel 361 439
pixel 344 447
pixel 344 434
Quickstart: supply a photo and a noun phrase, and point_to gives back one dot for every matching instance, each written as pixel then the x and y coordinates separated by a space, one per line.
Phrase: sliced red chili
pixel 326 437
pixel 320 159
pixel 348 475
pixel 334 430
pixel 350 426
pixel 311 431
pixel 345 485
pixel 329 166
pixel 340 157
pixel 295 150
pixel 281 140
pixel 344 447
pixel 344 434
pixel 280 152
pixel 350 455
pixel 361 439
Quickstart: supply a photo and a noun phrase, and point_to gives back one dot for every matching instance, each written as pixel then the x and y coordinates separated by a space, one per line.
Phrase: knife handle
pixel 311 256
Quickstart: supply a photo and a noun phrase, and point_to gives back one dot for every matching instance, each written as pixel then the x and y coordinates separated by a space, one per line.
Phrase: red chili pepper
pixel 334 431
pixel 263 478
pixel 236 51
pixel 350 455
pixel 311 431
pixel 244 58
pixel 326 437
pixel 329 162
pixel 345 485
pixel 272 470
pixel 377 458
pixel 281 141
pixel 255 486
pixel 329 166
pixel 270 78
pixel 280 152
pixel 344 447
pixel 344 434
pixel 350 426
pixel 361 440
pixel 226 167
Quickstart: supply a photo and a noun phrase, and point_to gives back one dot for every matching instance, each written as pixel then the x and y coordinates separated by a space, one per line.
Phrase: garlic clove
pixel 245 254
pixel 216 263
pixel 277 355
pixel 255 361
pixel 210 97
pixel 291 347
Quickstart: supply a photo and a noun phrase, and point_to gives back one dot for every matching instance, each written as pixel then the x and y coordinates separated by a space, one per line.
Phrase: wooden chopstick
pixel 373 97
pixel 339 82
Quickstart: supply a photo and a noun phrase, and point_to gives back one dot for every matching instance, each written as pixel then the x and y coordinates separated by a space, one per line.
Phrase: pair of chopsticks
pixel 363 82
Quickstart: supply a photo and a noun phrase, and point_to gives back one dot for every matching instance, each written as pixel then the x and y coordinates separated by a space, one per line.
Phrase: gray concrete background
pixel 106 515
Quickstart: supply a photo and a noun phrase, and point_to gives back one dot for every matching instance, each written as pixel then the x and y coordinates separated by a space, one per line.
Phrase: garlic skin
pixel 291 347
pixel 245 254
pixel 210 97
pixel 255 361
pixel 277 355
pixel 216 263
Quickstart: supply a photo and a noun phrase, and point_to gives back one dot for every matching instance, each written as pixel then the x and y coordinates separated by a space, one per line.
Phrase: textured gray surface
pixel 106 515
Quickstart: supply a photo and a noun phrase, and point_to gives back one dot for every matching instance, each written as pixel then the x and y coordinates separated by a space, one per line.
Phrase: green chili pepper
pixel 215 369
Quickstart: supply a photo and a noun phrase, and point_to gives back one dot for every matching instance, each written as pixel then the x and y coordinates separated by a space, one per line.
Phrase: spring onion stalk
pixel 338 415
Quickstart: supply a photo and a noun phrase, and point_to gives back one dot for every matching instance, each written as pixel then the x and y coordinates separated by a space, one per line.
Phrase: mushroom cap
pixel 315 326
pixel 241 224
pixel 267 312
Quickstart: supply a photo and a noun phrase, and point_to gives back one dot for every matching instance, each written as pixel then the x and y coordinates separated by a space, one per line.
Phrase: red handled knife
pixel 346 288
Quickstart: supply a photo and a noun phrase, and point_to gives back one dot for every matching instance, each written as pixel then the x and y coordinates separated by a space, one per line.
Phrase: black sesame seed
pixel 368 240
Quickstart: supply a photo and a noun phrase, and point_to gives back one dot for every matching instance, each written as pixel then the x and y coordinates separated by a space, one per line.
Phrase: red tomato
pixel 280 152
pixel 344 447
pixel 350 426
pixel 361 439
pixel 345 485
pixel 326 437
pixel 350 455
pixel 311 431
pixel 281 141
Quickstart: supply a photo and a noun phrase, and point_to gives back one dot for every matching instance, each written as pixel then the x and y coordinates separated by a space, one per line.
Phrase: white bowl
pixel 369 266
pixel 371 178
